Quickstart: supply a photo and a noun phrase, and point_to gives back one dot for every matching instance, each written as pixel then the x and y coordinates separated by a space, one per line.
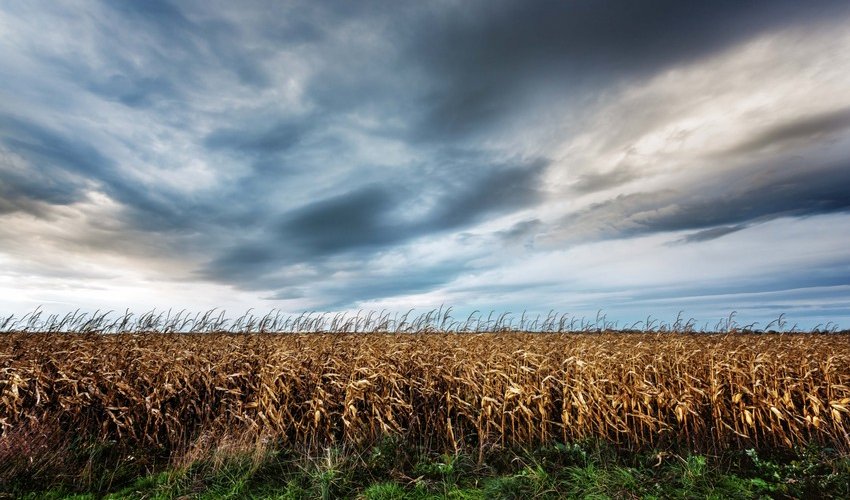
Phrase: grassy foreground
pixel 389 470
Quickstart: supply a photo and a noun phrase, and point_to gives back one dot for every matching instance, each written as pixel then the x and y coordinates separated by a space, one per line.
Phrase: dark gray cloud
pixel 720 208
pixel 352 220
pixel 521 230
pixel 275 138
pixel 803 130
pixel 496 192
pixel 600 181
pixel 140 91
pixel 712 233
pixel 343 293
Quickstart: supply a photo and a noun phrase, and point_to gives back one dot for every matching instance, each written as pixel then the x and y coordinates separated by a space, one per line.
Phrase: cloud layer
pixel 331 155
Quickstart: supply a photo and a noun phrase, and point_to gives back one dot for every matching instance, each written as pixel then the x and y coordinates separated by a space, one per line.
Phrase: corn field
pixel 442 391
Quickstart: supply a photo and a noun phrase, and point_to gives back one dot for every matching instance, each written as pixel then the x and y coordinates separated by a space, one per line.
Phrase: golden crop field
pixel 443 391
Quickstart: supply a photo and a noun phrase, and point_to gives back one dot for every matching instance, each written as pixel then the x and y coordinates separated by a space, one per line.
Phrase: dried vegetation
pixel 440 391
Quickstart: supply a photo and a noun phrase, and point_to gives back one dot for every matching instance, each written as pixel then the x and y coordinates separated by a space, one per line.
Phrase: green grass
pixel 392 471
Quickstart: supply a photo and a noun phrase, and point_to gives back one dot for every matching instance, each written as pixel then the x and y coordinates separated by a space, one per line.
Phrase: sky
pixel 640 158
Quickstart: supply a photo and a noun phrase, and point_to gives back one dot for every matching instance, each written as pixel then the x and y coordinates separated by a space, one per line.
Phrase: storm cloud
pixel 718 209
pixel 333 155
